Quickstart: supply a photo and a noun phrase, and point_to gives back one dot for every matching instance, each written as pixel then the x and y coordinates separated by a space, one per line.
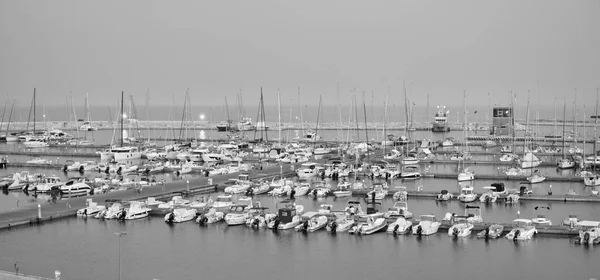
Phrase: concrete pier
pixel 5 275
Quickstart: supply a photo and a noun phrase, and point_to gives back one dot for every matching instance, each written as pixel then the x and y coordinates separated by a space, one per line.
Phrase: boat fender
pixel 396 227
pixel 517 232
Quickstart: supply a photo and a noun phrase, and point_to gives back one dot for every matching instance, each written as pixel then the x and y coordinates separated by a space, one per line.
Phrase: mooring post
pixel 39 211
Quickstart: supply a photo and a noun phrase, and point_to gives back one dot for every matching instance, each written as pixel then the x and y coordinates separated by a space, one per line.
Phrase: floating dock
pixel 433 195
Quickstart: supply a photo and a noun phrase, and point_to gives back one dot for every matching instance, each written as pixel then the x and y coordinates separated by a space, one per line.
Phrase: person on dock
pixel 550 190
pixel 16 268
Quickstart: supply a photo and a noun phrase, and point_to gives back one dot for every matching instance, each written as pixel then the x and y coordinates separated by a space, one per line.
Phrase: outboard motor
pixel 586 237
pixel 305 227
pixel 517 232
pixel 395 232
pixel 314 192
pixel 419 230
pixel 276 225
pixel 84 212
pixel 249 192
pixel 81 169
pixel 107 170
pixel 293 194
pixel 255 222
pixel 487 232
pixel 333 227
pixel 488 199
pixel 171 218
pixel 455 232
pixel 119 170
pixel 65 168
pixel 123 214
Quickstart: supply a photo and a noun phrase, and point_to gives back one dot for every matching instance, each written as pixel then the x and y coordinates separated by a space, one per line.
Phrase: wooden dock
pixel 526 198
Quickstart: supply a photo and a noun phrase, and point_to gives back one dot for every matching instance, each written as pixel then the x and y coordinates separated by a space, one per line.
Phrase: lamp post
pixel 120 234
pixel 188 185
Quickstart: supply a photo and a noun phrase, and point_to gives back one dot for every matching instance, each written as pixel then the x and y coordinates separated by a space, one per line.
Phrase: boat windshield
pixel 427 218
pixel 223 198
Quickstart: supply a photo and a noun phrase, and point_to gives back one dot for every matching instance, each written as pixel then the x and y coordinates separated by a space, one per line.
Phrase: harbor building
pixel 503 121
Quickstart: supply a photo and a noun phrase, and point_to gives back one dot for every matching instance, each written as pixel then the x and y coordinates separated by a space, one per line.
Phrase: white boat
pixel 566 163
pixel 410 159
pixel 312 221
pixel 307 170
pixel 491 232
pixel 460 228
pixel 378 193
pixel 239 187
pixel 530 161
pixel 126 153
pixel 372 225
pixel 589 232
pixel 444 195
pixel 77 185
pixel 319 192
pixel 506 149
pixel 427 226
pixel 523 229
pixel 262 188
pixel 448 142
pixel 322 151
pixel 237 215
pixel 514 171
pixel 541 217
pixel 343 190
pixel 35 143
pixel 410 172
pixel 180 215
pixel 466 175
pixel 536 178
pixel 400 209
pixel 400 226
pixel 91 209
pixel 508 157
pixel 115 210
pixel 460 156
pixel 401 194
pixel 591 180
pixel 136 210
pixel 39 160
pixel 302 189
pixel 489 196
pixel 467 195
pixel 211 217
pixel 47 184
pixel 342 223
pixel 223 203
pixel 288 216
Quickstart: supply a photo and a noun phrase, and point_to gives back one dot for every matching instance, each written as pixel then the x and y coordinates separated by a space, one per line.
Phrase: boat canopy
pixel 588 224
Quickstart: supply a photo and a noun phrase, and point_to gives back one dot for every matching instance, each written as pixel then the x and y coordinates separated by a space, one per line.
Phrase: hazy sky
pixel 216 48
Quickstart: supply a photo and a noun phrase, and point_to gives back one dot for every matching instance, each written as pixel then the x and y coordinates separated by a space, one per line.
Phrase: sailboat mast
pixel 366 127
pixel 3 112
pixel 387 97
pixel 10 117
pixel 595 129
pixel 121 117
pixel 465 117
pixel 301 117
pixel 279 114
pixel 564 125
pixel 526 125
pixel 317 126
pixel 34 111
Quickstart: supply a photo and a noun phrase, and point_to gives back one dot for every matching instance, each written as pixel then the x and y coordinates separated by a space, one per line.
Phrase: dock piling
pixel 39 211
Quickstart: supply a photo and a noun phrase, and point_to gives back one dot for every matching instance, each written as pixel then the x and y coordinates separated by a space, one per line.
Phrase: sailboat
pixel 226 125
pixel 124 152
pixel 564 162
pixel 529 160
pixel 87 124
pixel 10 137
pixel 34 141
pixel 466 174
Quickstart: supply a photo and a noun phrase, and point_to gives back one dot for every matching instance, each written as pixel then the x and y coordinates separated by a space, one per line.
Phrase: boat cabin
pixel 586 225
pixel 287 211
pixel 428 218
pixel 224 198
pixel 522 223
pixel 466 191
pixel 238 208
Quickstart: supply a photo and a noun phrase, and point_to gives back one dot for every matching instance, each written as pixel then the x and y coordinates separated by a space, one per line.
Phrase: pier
pixel 67 208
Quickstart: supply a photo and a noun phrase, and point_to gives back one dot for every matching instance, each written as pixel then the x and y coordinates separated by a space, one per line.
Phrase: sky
pixel 213 49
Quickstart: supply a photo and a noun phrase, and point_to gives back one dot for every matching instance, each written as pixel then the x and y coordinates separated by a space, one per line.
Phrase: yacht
pixel 245 124
pixel 76 185
pixel 47 184
pixel 92 209
pixel 35 143
pixel 440 123
pixel 307 170
pixel 467 195
pixel 180 215
pixel 126 153
pixel 460 228
pixel 466 175
pixel 427 226
pixel 136 210
pixel 523 229
pixel 530 161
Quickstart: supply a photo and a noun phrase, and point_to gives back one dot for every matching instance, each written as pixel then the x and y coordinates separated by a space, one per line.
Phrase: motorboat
pixel 460 156
pixel 491 232
pixel 91 209
pixel 400 226
pixel 239 187
pixel 211 217
pixel 428 225
pixel 541 217
pixel 444 195
pixel 262 188
pixel 312 221
pixel 392 172
pixel 393 155
pixel 115 210
pixel 589 232
pixel 342 223
pixel 473 214
pixel 126 153
pixel 46 184
pixel 591 180
pixel 76 185
pixel 467 195
pixel 536 178
pixel 343 190
pixel 175 202
pixel 38 160
pixel 529 160
pixel 508 157
pixel 523 229
pixel 180 215
pixel 378 193
pixel 466 175
pixel 307 170
pixel 506 150
pixel 409 160
pixel 460 228
pixel 136 210
pixel 410 172
pixel 372 225
pixel 237 215
pixel 35 143
pixel 566 163
pixel 490 196
pixel 256 217
pixel 400 209
pixel 448 142
pixel 514 171
pixel 319 192
pixel 223 203
pixel 401 194
pixel 288 216
pixel 280 191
